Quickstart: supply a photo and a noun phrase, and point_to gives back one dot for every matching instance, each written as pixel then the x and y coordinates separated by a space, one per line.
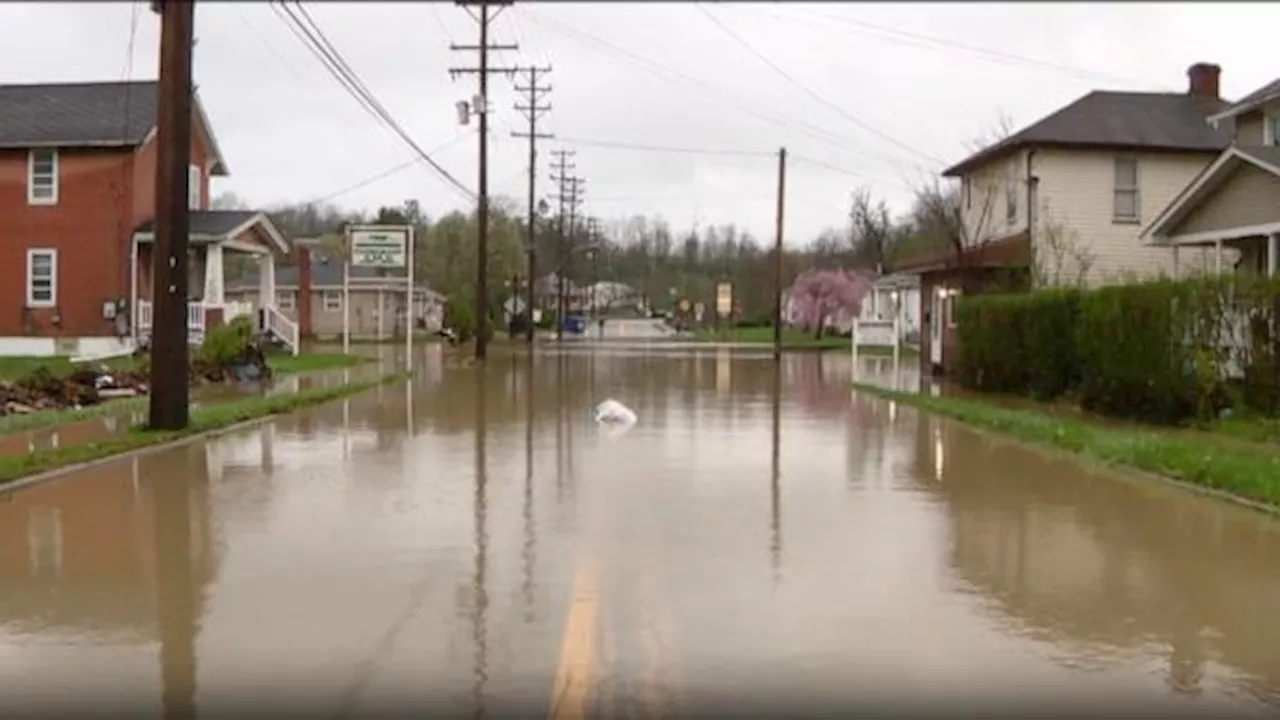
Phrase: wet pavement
pixel 739 549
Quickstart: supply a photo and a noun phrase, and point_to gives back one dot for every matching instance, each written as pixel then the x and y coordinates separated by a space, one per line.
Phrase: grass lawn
pixel 203 419
pixel 792 339
pixel 1228 460
pixel 281 363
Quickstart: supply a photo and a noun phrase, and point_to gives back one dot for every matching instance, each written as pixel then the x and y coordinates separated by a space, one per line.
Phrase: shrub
pixel 1019 343
pixel 225 344
pixel 1159 351
pixel 459 317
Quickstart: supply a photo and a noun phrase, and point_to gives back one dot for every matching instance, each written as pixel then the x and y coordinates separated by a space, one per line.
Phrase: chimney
pixel 302 256
pixel 1203 80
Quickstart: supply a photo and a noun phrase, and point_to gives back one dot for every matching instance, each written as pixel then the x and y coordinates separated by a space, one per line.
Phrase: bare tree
pixel 871 230
pixel 1058 255
pixel 958 217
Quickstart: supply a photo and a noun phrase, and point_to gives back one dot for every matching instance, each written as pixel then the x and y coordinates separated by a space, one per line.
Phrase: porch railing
pixel 276 323
pixel 195 316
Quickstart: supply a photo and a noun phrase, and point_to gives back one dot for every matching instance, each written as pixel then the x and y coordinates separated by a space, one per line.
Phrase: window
pixel 966 187
pixel 193 188
pixel 284 301
pixel 42 278
pixel 332 301
pixel 1126 190
pixel 1011 194
pixel 949 307
pixel 1271 129
pixel 42 177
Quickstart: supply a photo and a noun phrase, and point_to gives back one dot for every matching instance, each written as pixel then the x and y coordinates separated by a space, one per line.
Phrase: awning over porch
pixel 246 230
pixel 1236 196
pixel 1011 251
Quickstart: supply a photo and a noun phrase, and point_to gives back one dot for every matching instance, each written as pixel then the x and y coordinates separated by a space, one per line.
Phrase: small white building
pixel 895 295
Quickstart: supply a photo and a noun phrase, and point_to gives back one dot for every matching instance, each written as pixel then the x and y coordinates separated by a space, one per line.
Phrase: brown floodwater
pixel 470 543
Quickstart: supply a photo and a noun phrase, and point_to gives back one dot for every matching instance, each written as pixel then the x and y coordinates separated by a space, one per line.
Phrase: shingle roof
pixel 1164 121
pixel 68 114
pixel 210 223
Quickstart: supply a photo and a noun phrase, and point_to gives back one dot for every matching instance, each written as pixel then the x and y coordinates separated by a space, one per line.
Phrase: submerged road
pixel 471 544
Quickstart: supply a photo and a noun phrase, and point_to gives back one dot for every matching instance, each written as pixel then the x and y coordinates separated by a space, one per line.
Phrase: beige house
pixel 1232 207
pixel 1077 187
pixel 311 295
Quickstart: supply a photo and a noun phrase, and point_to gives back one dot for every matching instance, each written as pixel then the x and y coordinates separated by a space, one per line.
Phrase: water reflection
pixel 529 554
pixel 480 598
pixel 775 476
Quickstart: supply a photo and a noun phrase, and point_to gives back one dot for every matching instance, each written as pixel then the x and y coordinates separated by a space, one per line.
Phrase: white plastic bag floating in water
pixel 613 412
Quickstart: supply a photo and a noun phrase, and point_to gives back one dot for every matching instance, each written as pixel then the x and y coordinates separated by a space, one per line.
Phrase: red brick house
pixel 77 196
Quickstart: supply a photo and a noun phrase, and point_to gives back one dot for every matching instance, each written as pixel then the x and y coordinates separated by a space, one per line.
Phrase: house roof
pixel 1011 251
pixel 216 225
pixel 1266 93
pixel 1104 118
pixel 94 114
pixel 1208 180
pixel 326 273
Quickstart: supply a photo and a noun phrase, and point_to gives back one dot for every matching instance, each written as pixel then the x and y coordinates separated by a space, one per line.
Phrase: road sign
pixel 379 247
pixel 724 299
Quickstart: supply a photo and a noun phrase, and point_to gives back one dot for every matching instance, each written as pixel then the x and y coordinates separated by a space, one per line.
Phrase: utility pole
pixel 482 209
pixel 593 233
pixel 573 198
pixel 169 404
pixel 777 257
pixel 560 177
pixel 533 111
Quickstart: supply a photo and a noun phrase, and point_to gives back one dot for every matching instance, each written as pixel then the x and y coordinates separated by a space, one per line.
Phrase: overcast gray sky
pixel 860 94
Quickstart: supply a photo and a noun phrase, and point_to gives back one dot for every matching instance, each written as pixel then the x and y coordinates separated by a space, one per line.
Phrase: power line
pixel 319 45
pixel 913 39
pixel 709 88
pixel 388 172
pixel 619 145
pixel 810 91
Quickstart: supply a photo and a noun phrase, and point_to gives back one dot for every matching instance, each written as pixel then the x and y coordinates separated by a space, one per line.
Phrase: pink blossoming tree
pixel 820 297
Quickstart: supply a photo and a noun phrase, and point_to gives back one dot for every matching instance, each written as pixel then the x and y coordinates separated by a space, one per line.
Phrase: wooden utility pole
pixel 560 177
pixel 569 235
pixel 777 256
pixel 533 111
pixel 482 209
pixel 170 399
pixel 593 234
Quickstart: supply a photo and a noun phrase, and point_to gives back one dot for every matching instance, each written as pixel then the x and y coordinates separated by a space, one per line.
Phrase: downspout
pixel 1033 185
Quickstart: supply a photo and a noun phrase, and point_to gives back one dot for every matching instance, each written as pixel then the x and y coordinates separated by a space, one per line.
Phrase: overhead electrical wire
pixel 661 70
pixel 913 39
pixel 811 92
pixel 323 49
pixel 619 145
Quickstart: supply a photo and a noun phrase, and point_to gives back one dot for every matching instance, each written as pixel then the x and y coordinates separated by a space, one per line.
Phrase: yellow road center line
pixel 573 675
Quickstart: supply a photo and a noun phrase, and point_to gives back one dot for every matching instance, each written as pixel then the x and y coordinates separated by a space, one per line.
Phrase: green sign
pixel 379 248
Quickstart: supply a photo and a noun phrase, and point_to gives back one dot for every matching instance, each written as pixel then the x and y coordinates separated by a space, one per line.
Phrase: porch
pixel 214 235
pixel 1229 215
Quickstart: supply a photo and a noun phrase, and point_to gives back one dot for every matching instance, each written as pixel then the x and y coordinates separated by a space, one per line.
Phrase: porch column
pixel 267 281
pixel 1273 255
pixel 1176 269
pixel 213 273
pixel 1217 256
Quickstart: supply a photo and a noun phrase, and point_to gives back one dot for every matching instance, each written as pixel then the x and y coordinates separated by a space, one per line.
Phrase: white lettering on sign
pixel 379 248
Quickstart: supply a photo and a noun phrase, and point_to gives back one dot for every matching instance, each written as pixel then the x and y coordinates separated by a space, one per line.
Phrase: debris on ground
pixel 612 412
pixel 88 385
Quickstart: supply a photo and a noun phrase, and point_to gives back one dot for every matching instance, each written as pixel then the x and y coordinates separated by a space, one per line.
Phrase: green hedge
pixel 1019 343
pixel 1159 351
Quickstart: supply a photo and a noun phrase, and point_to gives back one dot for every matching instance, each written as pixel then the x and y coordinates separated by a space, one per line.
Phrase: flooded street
pixel 741 547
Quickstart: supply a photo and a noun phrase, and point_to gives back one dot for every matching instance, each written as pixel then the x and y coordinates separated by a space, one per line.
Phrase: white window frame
pixel 193 187
pixel 285 300
pixel 332 300
pixel 32 199
pixel 1011 194
pixel 1270 123
pixel 32 254
pixel 1116 190
pixel 949 307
